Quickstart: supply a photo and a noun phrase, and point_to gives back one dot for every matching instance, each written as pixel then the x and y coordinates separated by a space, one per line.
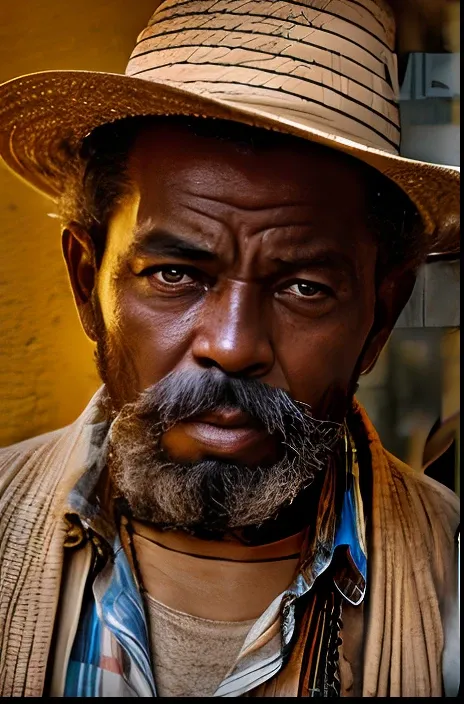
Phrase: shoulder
pixel 436 514
pixel 410 498
pixel 30 444
pixel 92 414
pixel 14 457
pixel 25 448
pixel 425 522
pixel 427 494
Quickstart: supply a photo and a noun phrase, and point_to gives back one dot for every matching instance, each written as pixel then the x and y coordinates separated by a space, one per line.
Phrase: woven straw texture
pixel 322 70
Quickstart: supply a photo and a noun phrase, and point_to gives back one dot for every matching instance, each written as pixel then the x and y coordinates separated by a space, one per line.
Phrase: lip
pixel 223 440
pixel 225 418
pixel 228 433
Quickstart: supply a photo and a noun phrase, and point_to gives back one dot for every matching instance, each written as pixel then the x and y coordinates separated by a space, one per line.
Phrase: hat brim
pixel 44 116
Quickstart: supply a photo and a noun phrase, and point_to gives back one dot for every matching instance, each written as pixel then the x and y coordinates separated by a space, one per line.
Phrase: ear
pixel 392 296
pixel 79 254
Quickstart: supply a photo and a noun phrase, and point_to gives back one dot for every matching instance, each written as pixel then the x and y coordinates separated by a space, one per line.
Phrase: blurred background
pixel 47 373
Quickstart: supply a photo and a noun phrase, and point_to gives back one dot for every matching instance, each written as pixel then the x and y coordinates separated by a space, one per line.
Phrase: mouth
pixel 228 431
pixel 228 434
pixel 225 418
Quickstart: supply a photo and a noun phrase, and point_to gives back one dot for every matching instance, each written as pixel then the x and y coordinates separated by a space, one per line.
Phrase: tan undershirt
pixel 191 655
pixel 202 598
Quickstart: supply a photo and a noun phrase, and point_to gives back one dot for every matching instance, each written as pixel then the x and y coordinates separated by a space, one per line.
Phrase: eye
pixel 307 289
pixel 171 275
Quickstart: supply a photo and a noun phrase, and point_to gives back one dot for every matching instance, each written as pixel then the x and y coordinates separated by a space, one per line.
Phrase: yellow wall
pixel 47 373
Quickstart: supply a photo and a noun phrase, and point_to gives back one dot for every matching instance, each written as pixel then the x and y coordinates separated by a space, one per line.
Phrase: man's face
pixel 253 265
pixel 259 264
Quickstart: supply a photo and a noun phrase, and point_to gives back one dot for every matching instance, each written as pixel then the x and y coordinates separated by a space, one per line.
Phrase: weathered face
pixel 246 264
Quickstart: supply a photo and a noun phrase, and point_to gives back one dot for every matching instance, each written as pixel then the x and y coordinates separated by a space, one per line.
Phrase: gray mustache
pixel 181 395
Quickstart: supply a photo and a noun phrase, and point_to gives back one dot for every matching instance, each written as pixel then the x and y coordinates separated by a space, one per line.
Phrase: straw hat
pixel 323 70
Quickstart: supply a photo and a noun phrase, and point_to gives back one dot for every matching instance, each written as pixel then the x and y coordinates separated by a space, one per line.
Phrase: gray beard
pixel 212 495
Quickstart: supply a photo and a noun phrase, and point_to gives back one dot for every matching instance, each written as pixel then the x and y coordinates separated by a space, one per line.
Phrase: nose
pixel 233 335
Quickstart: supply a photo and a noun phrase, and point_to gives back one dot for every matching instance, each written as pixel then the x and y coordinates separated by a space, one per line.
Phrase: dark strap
pixel 319 636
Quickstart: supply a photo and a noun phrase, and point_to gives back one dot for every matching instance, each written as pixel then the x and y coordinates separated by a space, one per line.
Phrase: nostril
pixel 208 363
pixel 251 370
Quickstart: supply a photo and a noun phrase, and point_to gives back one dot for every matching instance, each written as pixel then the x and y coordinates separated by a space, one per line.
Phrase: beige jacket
pixel 412 563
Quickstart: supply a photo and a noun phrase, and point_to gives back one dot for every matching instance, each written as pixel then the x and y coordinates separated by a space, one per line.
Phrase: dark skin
pixel 258 264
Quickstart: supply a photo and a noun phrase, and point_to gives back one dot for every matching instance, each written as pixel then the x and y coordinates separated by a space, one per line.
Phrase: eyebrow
pixel 325 259
pixel 163 243
pixel 160 242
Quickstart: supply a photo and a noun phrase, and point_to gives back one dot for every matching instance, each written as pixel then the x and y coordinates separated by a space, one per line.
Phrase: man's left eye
pixel 307 289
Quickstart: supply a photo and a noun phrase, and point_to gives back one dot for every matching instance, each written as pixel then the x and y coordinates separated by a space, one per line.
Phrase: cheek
pixel 320 356
pixel 152 342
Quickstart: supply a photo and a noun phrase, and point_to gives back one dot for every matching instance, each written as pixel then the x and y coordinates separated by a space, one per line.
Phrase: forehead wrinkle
pixel 191 234
pixel 242 228
pixel 311 233
pixel 220 245
pixel 215 218
pixel 237 237
pixel 311 251
pixel 249 207
pixel 236 218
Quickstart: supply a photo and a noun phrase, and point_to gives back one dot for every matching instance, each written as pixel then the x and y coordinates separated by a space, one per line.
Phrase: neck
pixel 218 580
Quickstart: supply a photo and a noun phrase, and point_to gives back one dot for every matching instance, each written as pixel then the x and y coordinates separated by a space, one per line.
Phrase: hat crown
pixel 329 64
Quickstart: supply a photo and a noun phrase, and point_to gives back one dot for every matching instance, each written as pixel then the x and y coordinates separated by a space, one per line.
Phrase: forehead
pixel 276 195
pixel 167 159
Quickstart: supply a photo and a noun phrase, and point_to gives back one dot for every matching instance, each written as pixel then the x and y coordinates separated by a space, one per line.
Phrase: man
pixel 240 237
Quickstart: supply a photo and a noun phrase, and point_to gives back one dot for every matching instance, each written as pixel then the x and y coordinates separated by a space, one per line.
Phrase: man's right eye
pixel 171 276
